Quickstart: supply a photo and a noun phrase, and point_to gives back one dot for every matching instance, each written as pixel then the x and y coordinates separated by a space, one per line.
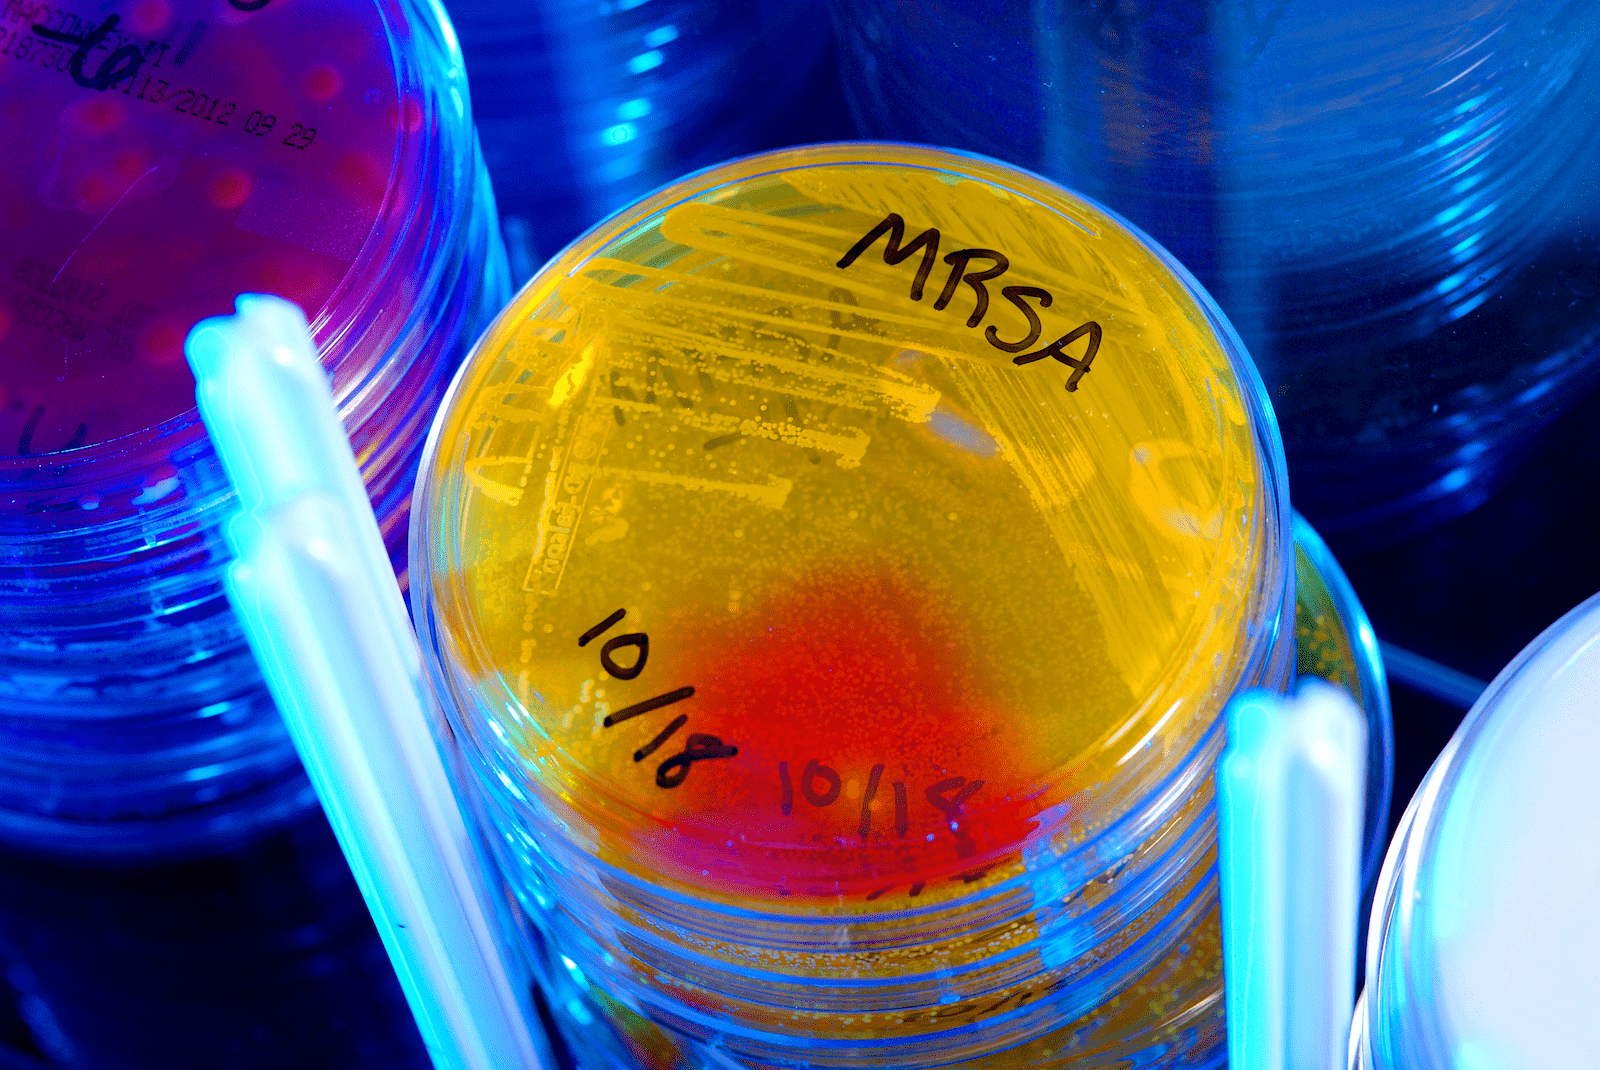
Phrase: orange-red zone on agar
pixel 871 762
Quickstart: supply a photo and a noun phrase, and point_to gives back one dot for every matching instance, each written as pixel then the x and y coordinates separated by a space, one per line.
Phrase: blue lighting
pixel 645 61
pixel 637 108
pixel 1465 307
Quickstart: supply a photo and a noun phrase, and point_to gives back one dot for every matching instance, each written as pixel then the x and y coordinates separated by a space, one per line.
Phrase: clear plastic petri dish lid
pixel 838 523
pixel 1485 937
pixel 156 158
pixel 163 156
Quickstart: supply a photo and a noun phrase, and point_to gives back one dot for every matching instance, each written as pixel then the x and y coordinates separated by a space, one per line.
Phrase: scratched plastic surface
pixel 859 539
pixel 1390 199
pixel 585 107
pixel 159 157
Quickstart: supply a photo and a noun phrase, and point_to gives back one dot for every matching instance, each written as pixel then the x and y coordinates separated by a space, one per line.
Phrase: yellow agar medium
pixel 803 555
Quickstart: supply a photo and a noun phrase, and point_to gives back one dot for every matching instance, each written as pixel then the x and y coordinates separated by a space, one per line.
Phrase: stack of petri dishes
pixel 584 106
pixel 1391 201
pixel 1483 940
pixel 833 569
pixel 160 157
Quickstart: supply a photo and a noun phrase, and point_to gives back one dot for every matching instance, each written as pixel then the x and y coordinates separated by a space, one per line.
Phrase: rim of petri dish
pixel 460 661
pixel 1371 690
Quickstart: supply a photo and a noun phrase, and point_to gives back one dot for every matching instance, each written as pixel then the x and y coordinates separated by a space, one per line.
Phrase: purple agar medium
pixel 160 157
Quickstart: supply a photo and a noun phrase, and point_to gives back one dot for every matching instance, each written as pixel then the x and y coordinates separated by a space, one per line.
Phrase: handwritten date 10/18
pixel 635 647
pixel 819 785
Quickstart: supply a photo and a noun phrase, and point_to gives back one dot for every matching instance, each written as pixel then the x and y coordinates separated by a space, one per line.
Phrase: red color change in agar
pixel 871 754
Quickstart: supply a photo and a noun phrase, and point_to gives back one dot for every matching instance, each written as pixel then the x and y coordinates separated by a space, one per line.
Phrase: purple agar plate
pixel 161 156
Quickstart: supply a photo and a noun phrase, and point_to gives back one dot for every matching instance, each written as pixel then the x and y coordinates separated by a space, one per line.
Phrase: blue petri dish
pixel 1388 201
pixel 160 157
pixel 1483 936
pixel 584 107
pixel 837 680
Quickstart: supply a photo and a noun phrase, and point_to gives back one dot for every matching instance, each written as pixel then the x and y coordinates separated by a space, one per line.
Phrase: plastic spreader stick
pixel 1290 790
pixel 325 619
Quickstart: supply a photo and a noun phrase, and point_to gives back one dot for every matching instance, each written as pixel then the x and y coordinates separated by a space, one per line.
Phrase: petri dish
pixel 1389 201
pixel 833 568
pixel 163 156
pixel 1333 640
pixel 584 108
pixel 1483 938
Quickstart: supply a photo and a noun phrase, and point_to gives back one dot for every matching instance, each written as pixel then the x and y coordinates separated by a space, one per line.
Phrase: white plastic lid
pixel 1504 930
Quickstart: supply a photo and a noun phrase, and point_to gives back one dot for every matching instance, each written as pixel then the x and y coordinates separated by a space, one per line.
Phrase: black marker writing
pixel 122 63
pixel 675 769
pixel 1056 349
pixel 1015 294
pixel 641 644
pixel 627 713
pixel 814 771
pixel 894 252
pixel 950 805
pixel 665 734
pixel 701 747
pixel 600 629
pixel 896 249
pixel 866 800
pixel 959 274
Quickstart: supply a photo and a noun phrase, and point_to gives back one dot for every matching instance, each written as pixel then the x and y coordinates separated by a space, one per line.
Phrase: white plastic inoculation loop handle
pixel 325 619
pixel 1290 793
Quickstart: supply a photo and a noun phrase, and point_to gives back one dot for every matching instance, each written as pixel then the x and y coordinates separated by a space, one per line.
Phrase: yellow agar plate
pixel 831 523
